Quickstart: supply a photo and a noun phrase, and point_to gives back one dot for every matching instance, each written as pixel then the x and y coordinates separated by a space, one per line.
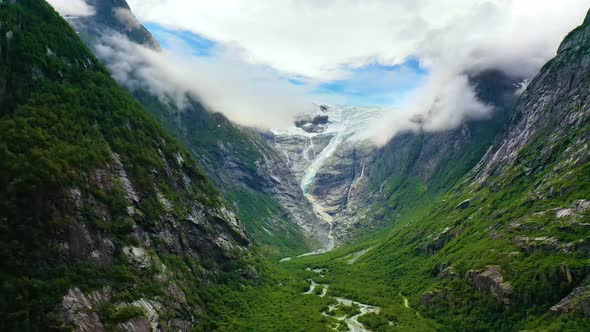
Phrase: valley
pixel 128 204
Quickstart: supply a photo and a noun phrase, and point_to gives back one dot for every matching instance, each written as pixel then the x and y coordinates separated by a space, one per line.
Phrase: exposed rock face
pixel 490 281
pixel 578 299
pixel 114 15
pixel 273 177
pixel 298 151
pixel 79 311
pixel 554 104
pixel 316 124
pixel 205 224
pixel 329 152
pixel 342 178
pixel 204 233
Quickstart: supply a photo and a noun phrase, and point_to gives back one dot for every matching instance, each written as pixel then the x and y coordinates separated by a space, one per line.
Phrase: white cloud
pixel 444 102
pixel 251 95
pixel 72 7
pixel 321 39
pixel 315 38
pixel 126 17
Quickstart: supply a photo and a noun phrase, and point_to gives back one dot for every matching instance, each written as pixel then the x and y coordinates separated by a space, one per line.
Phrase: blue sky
pixel 372 84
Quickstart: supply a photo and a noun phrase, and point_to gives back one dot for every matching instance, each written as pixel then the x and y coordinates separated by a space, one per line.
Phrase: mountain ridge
pixel 98 203
pixel 274 210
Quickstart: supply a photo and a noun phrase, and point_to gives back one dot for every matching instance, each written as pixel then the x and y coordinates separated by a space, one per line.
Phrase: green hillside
pixel 91 187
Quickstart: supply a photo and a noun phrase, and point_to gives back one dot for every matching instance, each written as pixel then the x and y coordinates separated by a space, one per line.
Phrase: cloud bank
pixel 326 40
pixel 315 38
pixel 248 94
pixel 72 7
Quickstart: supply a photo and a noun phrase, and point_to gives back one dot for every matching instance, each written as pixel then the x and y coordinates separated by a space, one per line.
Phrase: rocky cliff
pixel 113 16
pixel 551 115
pixel 106 222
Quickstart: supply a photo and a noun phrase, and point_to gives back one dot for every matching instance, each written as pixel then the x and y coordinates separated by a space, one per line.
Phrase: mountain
pixel 113 16
pixel 106 221
pixel 416 167
pixel 515 226
pixel 249 172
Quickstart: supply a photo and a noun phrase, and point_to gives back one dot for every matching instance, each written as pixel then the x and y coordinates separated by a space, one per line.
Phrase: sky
pixel 373 83
pixel 414 56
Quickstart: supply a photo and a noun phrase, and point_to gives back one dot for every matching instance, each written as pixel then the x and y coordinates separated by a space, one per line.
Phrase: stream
pixel 344 125
pixel 351 322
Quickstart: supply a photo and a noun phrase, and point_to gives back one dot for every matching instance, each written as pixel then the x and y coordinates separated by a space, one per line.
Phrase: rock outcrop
pixel 578 299
pixel 315 125
pixel 491 281
pixel 79 309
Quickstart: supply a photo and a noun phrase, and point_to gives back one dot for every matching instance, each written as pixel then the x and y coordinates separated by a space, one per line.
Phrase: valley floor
pixel 322 292
pixel 354 288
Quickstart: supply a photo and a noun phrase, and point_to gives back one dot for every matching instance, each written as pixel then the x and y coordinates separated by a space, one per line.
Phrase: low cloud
pixel 320 39
pixel 250 95
pixel 126 18
pixel 326 40
pixel 72 7
pixel 511 36
pixel 444 102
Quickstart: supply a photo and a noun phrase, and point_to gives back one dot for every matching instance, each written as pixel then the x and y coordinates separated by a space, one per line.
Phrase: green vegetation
pixel 319 290
pixel 113 315
pixel 64 123
pixel 439 234
pixel 62 118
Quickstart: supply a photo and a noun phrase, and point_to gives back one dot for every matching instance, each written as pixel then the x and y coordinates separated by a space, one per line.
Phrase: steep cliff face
pixel 251 174
pixel 106 222
pixel 551 117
